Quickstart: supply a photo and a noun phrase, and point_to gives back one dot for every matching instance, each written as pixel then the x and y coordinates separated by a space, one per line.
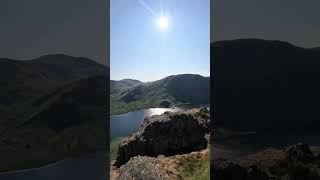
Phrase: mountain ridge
pixel 175 90
pixel 52 108
pixel 266 86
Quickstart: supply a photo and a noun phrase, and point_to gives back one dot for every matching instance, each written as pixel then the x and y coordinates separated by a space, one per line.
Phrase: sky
pixel 32 28
pixel 294 21
pixel 139 49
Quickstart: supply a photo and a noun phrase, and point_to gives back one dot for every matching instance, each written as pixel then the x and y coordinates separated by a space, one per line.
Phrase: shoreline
pixel 57 162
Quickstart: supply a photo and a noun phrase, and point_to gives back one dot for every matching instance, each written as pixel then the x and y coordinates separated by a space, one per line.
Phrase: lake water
pixel 92 166
pixel 88 167
pixel 126 124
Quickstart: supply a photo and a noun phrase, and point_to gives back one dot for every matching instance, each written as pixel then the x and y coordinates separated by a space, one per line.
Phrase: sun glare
pixel 162 23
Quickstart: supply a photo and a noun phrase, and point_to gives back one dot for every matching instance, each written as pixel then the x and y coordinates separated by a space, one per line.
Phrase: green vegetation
pixel 183 91
pixel 193 168
pixel 120 107
pixel 114 146
pixel 48 116
pixel 196 168
pixel 32 147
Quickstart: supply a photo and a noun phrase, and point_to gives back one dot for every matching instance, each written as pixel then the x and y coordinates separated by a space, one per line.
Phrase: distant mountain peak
pixel 252 42
pixel 53 56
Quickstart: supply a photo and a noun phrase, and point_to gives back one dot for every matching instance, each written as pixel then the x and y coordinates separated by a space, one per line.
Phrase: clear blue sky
pixel 140 50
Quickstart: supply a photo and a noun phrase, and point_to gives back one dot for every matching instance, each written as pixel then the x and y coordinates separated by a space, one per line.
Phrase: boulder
pixel 224 169
pixel 255 173
pixel 167 134
pixel 300 152
pixel 295 162
pixel 165 103
pixel 143 167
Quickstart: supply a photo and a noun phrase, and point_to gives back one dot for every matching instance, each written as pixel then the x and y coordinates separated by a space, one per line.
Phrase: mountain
pixel 22 80
pixel 122 85
pixel 80 102
pixel 266 86
pixel 131 82
pixel 65 68
pixel 52 108
pixel 186 90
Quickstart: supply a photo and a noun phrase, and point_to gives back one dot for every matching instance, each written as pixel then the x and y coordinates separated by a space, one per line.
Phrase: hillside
pixel 185 90
pixel 131 82
pixel 59 117
pixel 181 151
pixel 266 86
pixel 297 161
pixel 65 68
pixel 22 80
pixel 122 85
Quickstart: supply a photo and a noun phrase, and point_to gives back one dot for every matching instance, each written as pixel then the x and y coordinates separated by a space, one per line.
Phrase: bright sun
pixel 162 23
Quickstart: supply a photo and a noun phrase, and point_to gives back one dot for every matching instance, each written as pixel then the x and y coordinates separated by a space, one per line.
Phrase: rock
pixel 300 152
pixel 255 173
pixel 165 103
pixel 300 170
pixel 167 134
pixel 228 170
pixel 143 167
pixel 203 116
pixel 294 162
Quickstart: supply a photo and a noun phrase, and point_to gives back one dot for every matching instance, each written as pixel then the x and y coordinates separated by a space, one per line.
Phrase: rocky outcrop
pixel 228 170
pixel 165 103
pixel 143 167
pixel 300 152
pixel 294 162
pixel 167 134
pixel 160 167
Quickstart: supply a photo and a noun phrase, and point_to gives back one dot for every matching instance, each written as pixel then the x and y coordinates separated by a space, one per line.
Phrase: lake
pixel 126 124
pixel 93 166
pixel 88 167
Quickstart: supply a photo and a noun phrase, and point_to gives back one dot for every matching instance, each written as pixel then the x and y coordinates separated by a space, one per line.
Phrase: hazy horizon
pixel 292 21
pixel 248 38
pixel 157 79
pixel 34 28
pixel 139 49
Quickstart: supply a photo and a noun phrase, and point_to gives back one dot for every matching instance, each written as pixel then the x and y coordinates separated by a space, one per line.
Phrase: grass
pixel 193 168
pixel 120 107
pixel 114 145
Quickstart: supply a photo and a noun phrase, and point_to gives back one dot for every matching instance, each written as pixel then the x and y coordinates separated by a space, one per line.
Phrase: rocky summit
pixel 144 167
pixel 167 134
pixel 294 162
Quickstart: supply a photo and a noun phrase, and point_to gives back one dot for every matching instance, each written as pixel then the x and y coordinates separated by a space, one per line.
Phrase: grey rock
pixel 167 134
pixel 142 168
pixel 228 170
pixel 300 152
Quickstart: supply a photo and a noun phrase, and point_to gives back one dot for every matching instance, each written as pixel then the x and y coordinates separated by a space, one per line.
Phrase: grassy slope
pixel 189 167
pixel 35 144
pixel 120 107
pixel 195 168
pixel 114 145
pixel 192 168
pixel 185 91
pixel 27 149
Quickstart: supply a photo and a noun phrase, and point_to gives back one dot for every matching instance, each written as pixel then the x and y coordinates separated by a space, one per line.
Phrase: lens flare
pixel 162 23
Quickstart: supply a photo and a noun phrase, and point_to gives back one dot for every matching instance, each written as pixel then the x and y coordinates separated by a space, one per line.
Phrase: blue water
pixel 93 166
pixel 126 124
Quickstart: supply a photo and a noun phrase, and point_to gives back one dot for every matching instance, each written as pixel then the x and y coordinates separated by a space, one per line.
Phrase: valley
pixel 52 107
pixel 184 91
